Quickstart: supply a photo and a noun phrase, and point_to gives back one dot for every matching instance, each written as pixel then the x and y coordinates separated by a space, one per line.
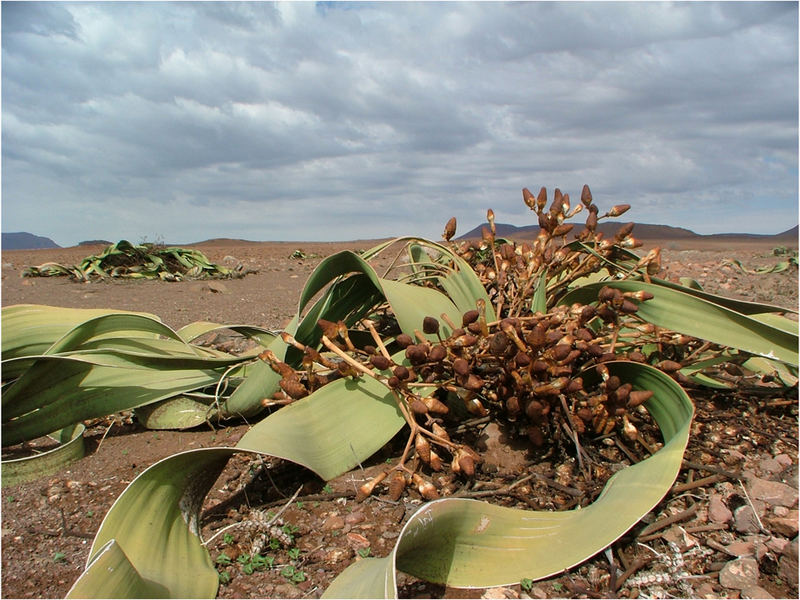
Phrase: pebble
pixel 287 590
pixel 706 590
pixel 717 511
pixel 354 517
pixel 787 565
pixel 772 492
pixel 755 591
pixel 744 520
pixel 780 511
pixel 499 593
pixel 537 591
pixel 333 522
pixel 741 548
pixel 777 544
pixel 739 573
pixel 770 465
pixel 338 555
pixel 216 287
pixel 356 540
pixel 786 526
pixel 732 456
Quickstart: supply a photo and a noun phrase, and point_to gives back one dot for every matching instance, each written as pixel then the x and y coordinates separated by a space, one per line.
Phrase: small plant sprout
pixel 526 584
pixel 293 574
pixel 364 552
pixel 327 489
pixel 59 557
pixel 227 539
pixel 294 553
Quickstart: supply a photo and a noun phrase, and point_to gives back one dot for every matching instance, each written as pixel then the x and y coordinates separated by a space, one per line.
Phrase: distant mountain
pixel 642 231
pixel 789 234
pixel 26 241
pixel 94 243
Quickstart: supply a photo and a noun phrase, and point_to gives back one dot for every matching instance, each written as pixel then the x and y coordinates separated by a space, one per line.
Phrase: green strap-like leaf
pixel 743 306
pixel 410 303
pixel 58 391
pixel 776 268
pixel 467 543
pixel 260 382
pixel 154 523
pixel 30 329
pixel 70 449
pixel 348 421
pixel 119 578
pixel 459 281
pixel 348 299
pixel 176 412
pixel 696 316
pixel 105 325
pixel 539 301
pixel 192 331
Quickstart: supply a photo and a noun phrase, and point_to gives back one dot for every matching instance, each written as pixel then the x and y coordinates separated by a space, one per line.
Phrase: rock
pixel 780 511
pixel 706 590
pixel 739 573
pixel 770 465
pixel 772 492
pixel 741 548
pixel 338 555
pixel 777 544
pixel 717 511
pixel 217 287
pixel 354 517
pixel 791 476
pixel 755 591
pixel 784 459
pixel 537 591
pixel 356 540
pixel 787 565
pixel 287 590
pixel 744 520
pixel 499 593
pixel 678 536
pixel 733 458
pixel 333 522
pixel 786 526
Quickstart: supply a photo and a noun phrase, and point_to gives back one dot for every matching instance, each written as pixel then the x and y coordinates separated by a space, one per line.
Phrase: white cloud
pixel 336 121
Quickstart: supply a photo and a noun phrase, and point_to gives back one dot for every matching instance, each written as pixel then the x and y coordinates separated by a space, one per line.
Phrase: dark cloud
pixel 346 120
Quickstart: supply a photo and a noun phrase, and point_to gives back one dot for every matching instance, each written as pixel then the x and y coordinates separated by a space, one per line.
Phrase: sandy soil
pixel 48 524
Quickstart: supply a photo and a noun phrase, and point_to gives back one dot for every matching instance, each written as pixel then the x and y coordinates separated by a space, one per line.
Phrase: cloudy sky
pixel 180 122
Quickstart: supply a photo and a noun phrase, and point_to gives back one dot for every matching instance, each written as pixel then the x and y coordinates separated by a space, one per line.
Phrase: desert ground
pixel 743 442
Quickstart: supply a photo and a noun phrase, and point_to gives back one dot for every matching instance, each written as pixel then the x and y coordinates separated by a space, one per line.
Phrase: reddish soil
pixel 743 439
